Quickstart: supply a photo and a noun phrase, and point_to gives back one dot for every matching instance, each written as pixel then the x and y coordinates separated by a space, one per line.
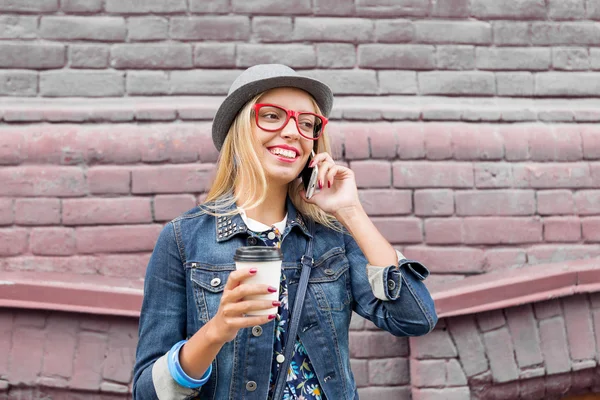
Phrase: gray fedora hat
pixel 258 79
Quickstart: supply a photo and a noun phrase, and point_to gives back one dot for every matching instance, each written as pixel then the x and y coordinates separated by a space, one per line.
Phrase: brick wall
pixel 470 124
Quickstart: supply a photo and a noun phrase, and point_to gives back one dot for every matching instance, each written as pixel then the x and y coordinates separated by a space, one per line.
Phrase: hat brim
pixel 234 102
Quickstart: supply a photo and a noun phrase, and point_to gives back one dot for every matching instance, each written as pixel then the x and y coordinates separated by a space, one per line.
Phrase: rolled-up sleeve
pixel 387 281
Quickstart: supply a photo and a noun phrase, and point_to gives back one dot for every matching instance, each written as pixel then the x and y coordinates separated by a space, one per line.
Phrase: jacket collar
pixel 230 225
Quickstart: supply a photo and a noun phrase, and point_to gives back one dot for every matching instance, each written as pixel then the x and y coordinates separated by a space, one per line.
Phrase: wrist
pixel 212 335
pixel 346 215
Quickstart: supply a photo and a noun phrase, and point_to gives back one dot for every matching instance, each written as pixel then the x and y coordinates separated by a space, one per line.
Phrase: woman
pixel 196 339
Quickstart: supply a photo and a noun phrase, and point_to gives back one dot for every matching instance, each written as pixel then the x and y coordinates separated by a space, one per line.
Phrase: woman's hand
pixel 337 185
pixel 230 316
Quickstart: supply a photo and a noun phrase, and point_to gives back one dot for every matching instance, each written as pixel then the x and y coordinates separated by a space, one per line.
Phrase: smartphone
pixel 309 177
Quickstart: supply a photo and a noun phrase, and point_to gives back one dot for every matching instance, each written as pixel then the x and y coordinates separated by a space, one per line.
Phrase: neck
pixel 272 210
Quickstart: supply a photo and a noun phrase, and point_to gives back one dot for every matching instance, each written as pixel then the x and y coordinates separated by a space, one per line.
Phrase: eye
pixel 270 115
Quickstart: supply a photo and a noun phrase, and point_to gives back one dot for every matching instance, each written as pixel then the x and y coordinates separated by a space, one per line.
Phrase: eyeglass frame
pixel 289 114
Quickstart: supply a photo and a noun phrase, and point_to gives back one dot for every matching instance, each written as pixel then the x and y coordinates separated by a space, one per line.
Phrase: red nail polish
pixel 320 185
pixel 272 289
pixel 276 303
pixel 271 316
pixel 328 184
pixel 253 270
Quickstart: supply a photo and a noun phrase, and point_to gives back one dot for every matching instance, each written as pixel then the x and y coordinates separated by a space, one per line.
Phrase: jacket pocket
pixel 208 283
pixel 330 281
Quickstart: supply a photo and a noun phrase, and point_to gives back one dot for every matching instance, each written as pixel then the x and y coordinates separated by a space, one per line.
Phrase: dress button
pixel 257 330
pixel 215 282
pixel 251 386
pixel 391 284
pixel 271 235
pixel 280 358
pixel 329 271
pixel 251 241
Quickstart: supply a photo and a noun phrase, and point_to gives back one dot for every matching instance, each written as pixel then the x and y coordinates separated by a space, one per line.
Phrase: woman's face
pixel 283 153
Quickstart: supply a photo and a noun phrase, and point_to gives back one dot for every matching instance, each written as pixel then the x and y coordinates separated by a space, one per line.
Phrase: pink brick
pixel 503 258
pixel 562 229
pixel 122 340
pixel 559 253
pixel 383 140
pixel 94 323
pixel 121 238
pixel 534 389
pixel 384 393
pixel 554 345
pixel 554 202
pixel 76 264
pixel 558 385
pixel 459 393
pixel 580 334
pixel 410 174
pixel 386 201
pixel 411 141
pixel 493 175
pixel 516 141
pixel 356 141
pixel 42 181
pixel 560 143
pixel 6 332
pixel 360 371
pixel 439 280
pixel 13 241
pixel 590 136
pixel 438 141
pixel 7 215
pixel 500 352
pixel 596 322
pixel 37 211
pixel 90 211
pixel 447 259
pixel 587 202
pixel 12 143
pixel 59 349
pixel 400 230
pixel 477 142
pixel 377 344
pixel 434 202
pixel 372 174
pixel 495 202
pixel 523 329
pixel 186 178
pixel 109 180
pixel 31 318
pixel 443 230
pixel 428 373
pixel 52 241
pixel 26 356
pixel 490 320
pixel 489 230
pixel 87 365
pixel 389 372
pixel 167 207
pixel 436 344
pixel 123 265
pixel 550 175
pixel 591 229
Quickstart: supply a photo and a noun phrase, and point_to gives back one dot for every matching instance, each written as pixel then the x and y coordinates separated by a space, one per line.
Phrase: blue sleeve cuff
pixel 179 374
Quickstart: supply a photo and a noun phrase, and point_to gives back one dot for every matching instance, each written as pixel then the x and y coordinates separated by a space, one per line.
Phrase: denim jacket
pixel 184 283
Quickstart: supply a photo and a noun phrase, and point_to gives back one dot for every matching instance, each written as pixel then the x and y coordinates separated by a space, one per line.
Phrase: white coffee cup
pixel 267 261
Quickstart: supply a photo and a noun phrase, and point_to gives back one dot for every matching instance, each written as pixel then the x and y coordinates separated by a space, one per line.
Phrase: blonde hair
pixel 239 149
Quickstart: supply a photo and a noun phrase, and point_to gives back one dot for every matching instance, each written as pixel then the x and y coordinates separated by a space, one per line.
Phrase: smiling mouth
pixel 289 154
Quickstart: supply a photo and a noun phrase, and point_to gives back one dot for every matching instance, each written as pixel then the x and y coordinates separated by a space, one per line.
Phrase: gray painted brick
pixel 566 9
pixel 470 347
pixel 397 82
pixel 107 29
pixel 338 8
pixel 595 58
pixel 522 9
pixel 141 29
pixel 81 6
pixel 354 30
pixel 513 58
pixel 147 83
pixel 554 345
pixel 145 6
pixel 151 56
pixel 18 83
pixel 514 84
pixel 391 393
pixel 209 7
pixel 29 6
pixel 385 56
pixel 295 55
pixel 592 8
pixel 455 57
pixel 501 354
pixel 209 82
pixel 394 30
pixel 459 32
pixel 511 33
pixel 360 371
pixel 576 33
pixel 450 8
pixel 523 328
pixel 270 7
pixel 347 81
pixel 570 58
pixel 18 27
pixel 272 29
pixel 389 372
pixel 396 8
pixel 88 56
pixel 32 55
pixel 457 83
pixel 67 83
pixel 214 55
pixel 567 84
pixel 336 55
pixel 210 28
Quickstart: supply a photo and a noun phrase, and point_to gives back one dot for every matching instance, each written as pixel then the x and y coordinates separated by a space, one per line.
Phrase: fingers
pixel 236 277
pixel 245 290
pixel 247 307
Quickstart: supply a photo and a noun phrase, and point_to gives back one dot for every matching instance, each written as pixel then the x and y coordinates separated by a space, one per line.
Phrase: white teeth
pixel 285 153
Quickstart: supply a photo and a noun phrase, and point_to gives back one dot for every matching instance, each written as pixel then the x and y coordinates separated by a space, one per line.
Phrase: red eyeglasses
pixel 270 118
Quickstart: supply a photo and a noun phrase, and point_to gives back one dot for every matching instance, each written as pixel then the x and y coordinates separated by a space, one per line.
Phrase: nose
pixel 290 129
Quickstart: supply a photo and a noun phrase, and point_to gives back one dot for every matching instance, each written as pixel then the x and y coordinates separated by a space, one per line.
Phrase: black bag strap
pixel 307 263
